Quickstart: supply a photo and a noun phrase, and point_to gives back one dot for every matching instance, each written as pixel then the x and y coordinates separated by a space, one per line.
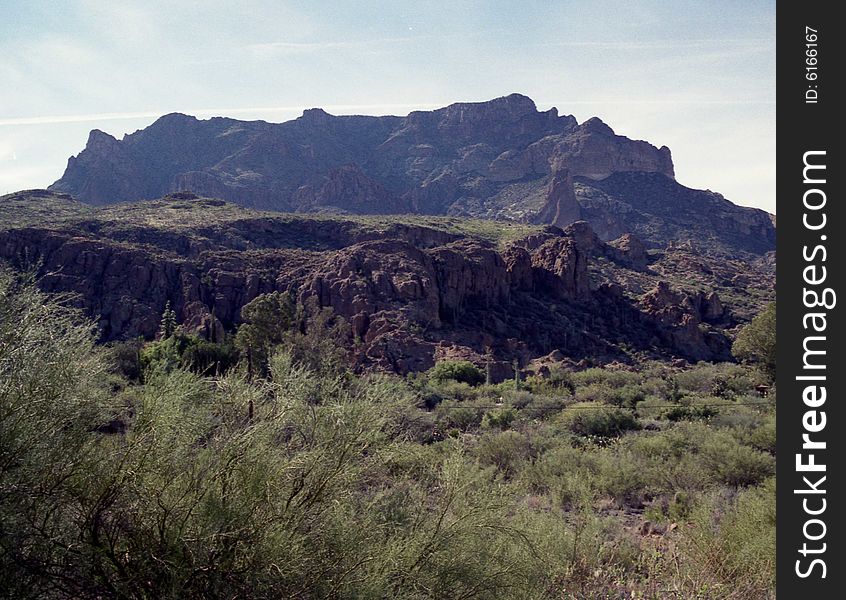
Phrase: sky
pixel 696 76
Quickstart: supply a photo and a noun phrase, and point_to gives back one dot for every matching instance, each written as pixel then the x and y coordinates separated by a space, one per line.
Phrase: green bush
pixel 611 378
pixel 730 549
pixel 689 412
pixel 454 390
pixel 453 415
pixel 507 451
pixel 732 463
pixel 205 357
pixel 462 371
pixel 542 407
pixel 189 352
pixel 593 419
pixel 126 358
pixel 500 418
pixel 756 342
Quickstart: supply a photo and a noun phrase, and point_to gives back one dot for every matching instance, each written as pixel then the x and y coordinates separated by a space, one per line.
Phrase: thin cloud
pixel 692 101
pixel 115 116
pixel 304 47
pixel 53 120
pixel 749 43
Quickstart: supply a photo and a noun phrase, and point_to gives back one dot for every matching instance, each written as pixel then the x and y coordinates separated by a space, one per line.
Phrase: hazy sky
pixel 696 76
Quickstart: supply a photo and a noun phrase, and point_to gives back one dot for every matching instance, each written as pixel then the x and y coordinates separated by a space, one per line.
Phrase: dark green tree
pixel 756 342
pixel 457 370
pixel 168 323
pixel 267 319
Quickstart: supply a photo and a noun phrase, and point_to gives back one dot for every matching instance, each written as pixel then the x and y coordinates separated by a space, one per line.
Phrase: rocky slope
pixel 501 159
pixel 414 289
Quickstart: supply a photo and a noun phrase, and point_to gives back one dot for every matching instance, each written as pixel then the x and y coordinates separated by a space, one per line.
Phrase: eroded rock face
pixel 681 314
pixel 349 189
pixel 561 207
pixel 631 251
pixel 411 293
pixel 560 268
pixel 594 151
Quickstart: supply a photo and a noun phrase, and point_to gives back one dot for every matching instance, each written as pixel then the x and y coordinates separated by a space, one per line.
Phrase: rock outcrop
pixel 561 207
pixel 683 315
pixel 411 292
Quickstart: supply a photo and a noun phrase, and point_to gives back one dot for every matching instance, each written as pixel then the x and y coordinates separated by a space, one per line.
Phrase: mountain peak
pixel 97 136
pixel 316 116
pixel 511 106
pixel 176 117
pixel 596 125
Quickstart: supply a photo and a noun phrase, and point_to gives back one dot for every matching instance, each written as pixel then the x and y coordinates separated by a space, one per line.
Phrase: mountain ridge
pixel 498 159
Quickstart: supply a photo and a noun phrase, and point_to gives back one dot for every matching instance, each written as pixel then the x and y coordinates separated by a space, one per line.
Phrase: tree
pixel 319 340
pixel 756 342
pixel 267 318
pixel 168 323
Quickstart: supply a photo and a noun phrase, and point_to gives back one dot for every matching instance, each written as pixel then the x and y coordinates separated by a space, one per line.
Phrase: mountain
pixel 413 288
pixel 501 159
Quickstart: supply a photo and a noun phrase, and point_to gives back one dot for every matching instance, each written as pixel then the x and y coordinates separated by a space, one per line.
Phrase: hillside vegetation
pixel 258 466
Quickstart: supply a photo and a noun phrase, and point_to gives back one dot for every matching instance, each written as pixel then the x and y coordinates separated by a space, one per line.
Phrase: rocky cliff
pixel 412 288
pixel 501 159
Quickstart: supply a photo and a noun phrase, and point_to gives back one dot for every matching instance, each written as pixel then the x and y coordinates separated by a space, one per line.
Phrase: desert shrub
pixel 430 398
pixel 126 358
pixel 612 378
pixel 205 357
pixel 506 450
pixel 726 379
pixel 680 506
pixel 454 390
pixel 161 355
pixel 462 371
pixel 593 419
pixel 739 419
pixel 310 482
pixel 594 392
pixel 720 387
pixel 732 463
pixel 499 418
pixel 561 379
pixel 652 407
pixel 763 437
pixel 566 473
pixel 52 395
pixel 628 395
pixel 615 391
pixel 450 414
pixel 660 387
pixel 689 412
pixel 189 352
pixel 401 408
pixel 731 546
pixel 519 398
pixel 692 407
pixel 621 476
pixel 542 407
